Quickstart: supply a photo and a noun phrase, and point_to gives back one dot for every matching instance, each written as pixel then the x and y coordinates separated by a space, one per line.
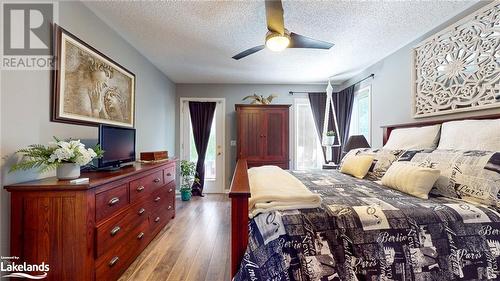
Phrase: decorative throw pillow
pixel 383 158
pixel 356 165
pixel 411 179
pixel 472 175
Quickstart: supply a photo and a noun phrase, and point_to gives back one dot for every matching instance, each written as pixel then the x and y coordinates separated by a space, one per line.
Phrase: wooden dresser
pixel 91 231
pixel 263 134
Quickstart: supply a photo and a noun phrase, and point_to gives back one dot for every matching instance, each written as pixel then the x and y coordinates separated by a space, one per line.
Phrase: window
pixel 361 113
pixel 308 150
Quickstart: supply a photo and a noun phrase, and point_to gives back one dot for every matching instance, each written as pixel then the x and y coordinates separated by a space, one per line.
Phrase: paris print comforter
pixel 365 231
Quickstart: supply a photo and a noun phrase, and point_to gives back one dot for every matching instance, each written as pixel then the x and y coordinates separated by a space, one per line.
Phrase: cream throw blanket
pixel 273 188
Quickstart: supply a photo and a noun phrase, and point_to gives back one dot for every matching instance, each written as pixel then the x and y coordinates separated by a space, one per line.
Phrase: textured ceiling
pixel 193 42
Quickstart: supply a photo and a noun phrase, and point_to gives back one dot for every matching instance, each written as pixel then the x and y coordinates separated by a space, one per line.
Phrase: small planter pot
pixel 68 171
pixel 328 140
pixel 186 195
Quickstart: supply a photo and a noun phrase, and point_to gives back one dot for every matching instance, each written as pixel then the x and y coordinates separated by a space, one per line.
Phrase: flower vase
pixel 68 171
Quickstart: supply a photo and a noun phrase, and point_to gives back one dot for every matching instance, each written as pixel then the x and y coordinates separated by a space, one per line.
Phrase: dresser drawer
pixel 116 229
pixel 143 187
pixel 110 202
pixel 159 219
pixel 116 260
pixel 162 199
pixel 169 174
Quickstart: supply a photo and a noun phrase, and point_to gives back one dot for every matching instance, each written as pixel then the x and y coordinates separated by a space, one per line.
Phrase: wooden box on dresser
pixel 91 231
pixel 262 136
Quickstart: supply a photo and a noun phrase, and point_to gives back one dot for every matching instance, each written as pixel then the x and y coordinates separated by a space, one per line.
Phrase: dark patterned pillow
pixel 383 158
pixel 467 174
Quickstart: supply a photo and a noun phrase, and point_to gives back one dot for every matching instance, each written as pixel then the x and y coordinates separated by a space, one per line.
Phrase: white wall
pixel 234 93
pixel 391 86
pixel 25 102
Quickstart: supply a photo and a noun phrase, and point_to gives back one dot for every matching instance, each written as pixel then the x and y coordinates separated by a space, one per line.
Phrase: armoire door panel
pixel 250 135
pixel 276 134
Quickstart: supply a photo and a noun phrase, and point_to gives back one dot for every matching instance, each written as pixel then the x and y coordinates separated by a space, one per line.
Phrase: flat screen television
pixel 118 144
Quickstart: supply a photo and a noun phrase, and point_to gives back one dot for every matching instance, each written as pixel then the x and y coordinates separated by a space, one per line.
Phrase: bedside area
pixel 91 231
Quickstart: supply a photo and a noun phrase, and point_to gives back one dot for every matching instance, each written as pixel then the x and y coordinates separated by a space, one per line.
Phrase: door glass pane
pixel 309 154
pixel 211 151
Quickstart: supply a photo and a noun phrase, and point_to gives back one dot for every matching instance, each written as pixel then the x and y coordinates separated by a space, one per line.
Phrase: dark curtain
pixel 202 114
pixel 343 102
pixel 318 104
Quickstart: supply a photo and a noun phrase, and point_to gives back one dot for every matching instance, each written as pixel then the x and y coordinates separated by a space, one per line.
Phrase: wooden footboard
pixel 239 194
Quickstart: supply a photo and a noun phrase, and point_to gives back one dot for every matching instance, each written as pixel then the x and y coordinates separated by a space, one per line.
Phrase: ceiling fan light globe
pixel 277 42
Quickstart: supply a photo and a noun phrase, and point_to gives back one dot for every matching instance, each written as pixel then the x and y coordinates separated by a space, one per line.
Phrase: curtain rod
pixel 300 92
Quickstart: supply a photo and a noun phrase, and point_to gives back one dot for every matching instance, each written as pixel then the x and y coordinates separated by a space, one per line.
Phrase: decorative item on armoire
pixel 260 99
pixel 457 69
pixel 65 156
pixel 89 87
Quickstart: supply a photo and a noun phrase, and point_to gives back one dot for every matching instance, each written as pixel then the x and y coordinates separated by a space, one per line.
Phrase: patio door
pixel 214 159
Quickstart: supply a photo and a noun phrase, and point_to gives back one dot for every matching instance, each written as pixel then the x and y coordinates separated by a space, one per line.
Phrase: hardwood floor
pixel 195 246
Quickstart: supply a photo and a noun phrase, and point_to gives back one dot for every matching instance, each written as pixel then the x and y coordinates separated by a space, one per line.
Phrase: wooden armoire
pixel 263 134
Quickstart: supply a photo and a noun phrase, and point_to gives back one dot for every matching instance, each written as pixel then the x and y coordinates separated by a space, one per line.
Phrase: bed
pixel 364 231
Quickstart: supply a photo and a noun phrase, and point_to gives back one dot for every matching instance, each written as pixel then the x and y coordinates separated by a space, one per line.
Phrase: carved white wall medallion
pixel 458 69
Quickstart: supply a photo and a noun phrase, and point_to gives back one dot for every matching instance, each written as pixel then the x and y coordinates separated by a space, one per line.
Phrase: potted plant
pixel 329 139
pixel 188 171
pixel 64 156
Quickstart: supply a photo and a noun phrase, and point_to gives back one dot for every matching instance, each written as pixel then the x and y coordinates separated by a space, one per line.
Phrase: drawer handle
pixel 169 207
pixel 113 261
pixel 140 188
pixel 157 199
pixel 157 180
pixel 170 190
pixel 115 230
pixel 157 219
pixel 140 236
pixel 113 201
pixel 141 211
pixel 169 174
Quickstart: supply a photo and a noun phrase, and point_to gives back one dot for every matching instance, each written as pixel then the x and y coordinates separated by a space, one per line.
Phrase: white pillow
pixel 471 135
pixel 414 138
pixel 410 179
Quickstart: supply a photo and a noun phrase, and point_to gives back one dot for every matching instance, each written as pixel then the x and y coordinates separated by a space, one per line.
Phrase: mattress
pixel 364 231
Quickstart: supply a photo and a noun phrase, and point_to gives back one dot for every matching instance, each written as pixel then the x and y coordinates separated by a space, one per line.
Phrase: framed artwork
pixel 89 88
pixel 458 69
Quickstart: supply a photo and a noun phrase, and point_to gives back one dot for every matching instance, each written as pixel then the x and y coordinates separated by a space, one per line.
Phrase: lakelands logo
pixel 23 270
pixel 26 35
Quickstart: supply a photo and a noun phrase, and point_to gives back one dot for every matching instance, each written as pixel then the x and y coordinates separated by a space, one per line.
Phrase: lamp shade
pixel 356 141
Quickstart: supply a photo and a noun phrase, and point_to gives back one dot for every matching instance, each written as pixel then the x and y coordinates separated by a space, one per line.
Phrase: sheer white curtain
pixel 308 151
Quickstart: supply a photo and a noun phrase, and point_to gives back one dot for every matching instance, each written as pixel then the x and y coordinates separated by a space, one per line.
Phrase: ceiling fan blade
pixel 274 16
pixel 248 52
pixel 300 41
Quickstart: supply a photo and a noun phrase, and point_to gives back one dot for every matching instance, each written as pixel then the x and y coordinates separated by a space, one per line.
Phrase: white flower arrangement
pixel 55 154
pixel 71 152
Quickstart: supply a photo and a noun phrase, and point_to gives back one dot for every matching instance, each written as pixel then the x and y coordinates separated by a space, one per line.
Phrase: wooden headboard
pixel 388 128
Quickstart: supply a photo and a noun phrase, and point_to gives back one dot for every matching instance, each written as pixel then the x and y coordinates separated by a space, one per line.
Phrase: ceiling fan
pixel 278 37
